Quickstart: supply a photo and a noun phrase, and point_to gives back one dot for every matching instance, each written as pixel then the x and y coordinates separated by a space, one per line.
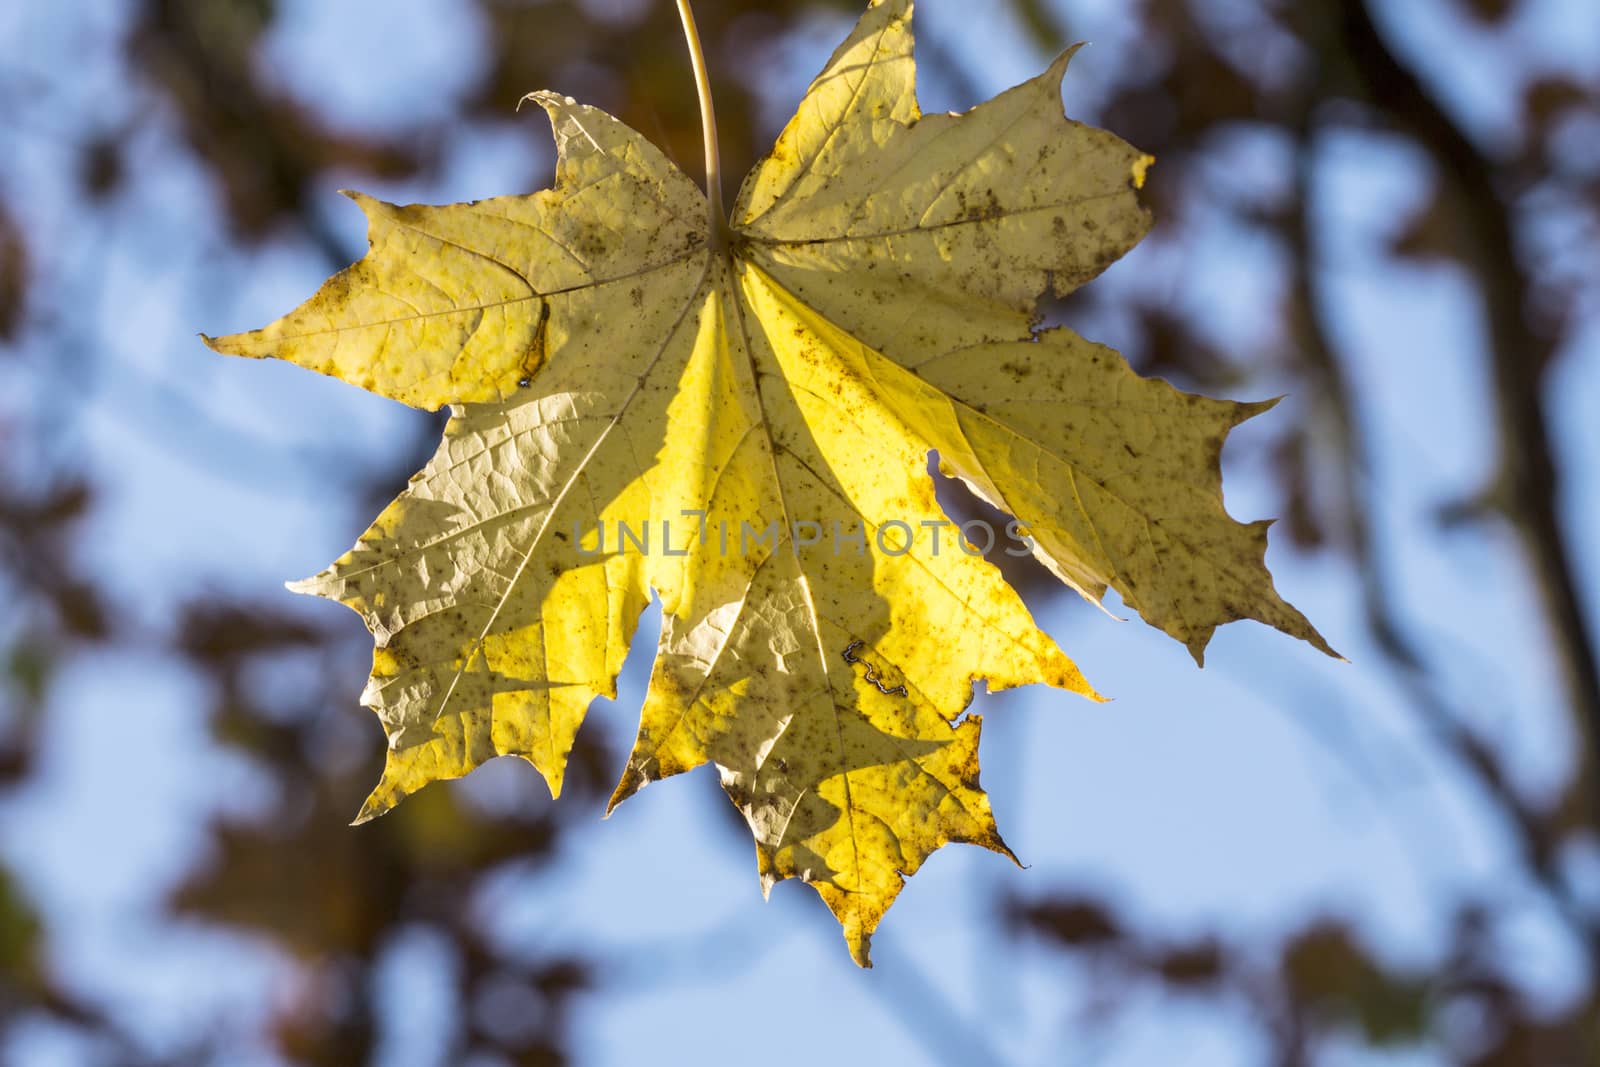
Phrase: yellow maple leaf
pixel 737 415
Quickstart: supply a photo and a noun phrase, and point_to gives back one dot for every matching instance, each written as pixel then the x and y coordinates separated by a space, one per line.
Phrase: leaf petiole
pixel 708 124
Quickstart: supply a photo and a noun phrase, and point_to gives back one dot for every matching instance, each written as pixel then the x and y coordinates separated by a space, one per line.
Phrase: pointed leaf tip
pixel 305 586
pixel 1141 170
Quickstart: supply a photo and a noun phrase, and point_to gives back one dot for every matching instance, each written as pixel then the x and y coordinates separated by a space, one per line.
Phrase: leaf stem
pixel 708 124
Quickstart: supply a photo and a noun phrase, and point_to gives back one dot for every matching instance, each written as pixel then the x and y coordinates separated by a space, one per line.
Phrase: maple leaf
pixel 617 362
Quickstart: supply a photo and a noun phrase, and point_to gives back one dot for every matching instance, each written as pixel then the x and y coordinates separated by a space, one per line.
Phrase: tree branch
pixel 1529 478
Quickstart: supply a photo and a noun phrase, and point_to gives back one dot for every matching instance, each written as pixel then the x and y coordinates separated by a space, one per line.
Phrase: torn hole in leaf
pixel 980 694
pixel 852 656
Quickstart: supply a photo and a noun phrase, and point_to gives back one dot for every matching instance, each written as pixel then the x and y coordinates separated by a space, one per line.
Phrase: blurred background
pixel 1386 209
